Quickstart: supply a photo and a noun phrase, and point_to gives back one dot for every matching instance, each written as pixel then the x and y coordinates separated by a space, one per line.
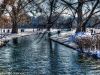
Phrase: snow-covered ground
pixel 19 30
pixel 90 42
pixel 69 38
pixel 5 36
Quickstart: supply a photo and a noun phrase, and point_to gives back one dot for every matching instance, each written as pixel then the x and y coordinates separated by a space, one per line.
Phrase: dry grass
pixel 89 43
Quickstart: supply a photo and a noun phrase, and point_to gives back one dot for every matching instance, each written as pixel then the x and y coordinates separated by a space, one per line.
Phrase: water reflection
pixel 29 58
pixel 54 59
pixel 15 41
pixel 69 62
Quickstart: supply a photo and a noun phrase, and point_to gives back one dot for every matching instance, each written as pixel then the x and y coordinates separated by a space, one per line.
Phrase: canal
pixel 28 57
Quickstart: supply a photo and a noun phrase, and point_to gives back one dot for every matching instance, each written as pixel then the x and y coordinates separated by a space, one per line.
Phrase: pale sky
pixel 1 1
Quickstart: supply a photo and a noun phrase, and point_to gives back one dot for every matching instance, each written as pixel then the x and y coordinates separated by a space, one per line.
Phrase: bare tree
pixel 16 12
pixel 82 16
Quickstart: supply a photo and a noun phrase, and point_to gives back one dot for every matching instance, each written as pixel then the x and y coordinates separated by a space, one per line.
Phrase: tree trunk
pixel 79 14
pixel 2 7
pixel 14 20
pixel 14 28
pixel 90 15
pixel 84 28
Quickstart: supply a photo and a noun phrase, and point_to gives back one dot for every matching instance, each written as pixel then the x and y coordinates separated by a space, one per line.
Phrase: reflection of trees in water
pixel 54 59
pixel 88 64
pixel 18 58
pixel 28 56
pixel 83 59
pixel 22 41
pixel 15 41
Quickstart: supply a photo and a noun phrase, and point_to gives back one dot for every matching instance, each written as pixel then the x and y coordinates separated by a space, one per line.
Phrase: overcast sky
pixel 1 1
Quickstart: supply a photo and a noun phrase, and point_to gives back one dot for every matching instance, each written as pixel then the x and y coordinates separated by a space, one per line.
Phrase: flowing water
pixel 31 58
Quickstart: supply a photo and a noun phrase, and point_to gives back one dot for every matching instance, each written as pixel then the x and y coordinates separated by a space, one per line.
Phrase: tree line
pixel 22 11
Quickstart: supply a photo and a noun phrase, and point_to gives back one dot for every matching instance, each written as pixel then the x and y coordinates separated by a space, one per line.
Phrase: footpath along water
pixel 31 58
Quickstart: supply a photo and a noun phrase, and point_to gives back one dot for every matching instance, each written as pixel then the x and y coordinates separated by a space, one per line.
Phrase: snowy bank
pixel 88 43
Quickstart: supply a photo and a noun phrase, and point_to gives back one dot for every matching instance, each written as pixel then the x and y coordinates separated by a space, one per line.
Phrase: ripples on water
pixel 29 58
